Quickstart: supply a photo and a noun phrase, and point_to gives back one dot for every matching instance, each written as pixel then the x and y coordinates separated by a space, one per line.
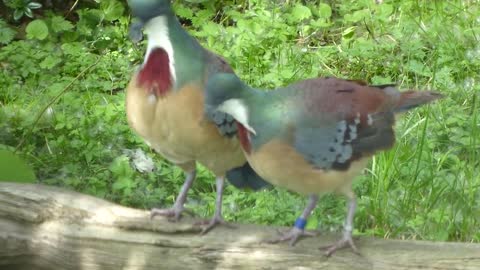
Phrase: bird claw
pixel 173 214
pixel 212 223
pixel 346 241
pixel 292 235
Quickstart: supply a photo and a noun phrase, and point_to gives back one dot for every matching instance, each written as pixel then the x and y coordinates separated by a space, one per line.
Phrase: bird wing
pixel 224 122
pixel 342 121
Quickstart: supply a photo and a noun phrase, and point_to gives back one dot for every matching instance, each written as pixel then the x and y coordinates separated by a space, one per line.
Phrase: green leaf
pixel 34 5
pixel 59 24
pixel 72 48
pixel 28 12
pixel 300 13
pixel 210 29
pixel 17 14
pixel 184 12
pixel 70 36
pixel 6 33
pixel 418 68
pixel 121 167
pixel 112 9
pixel 348 33
pixel 320 23
pixel 89 21
pixel 384 10
pixel 324 10
pixel 123 183
pixel 381 80
pixel 49 62
pixel 14 169
pixel 287 73
pixel 357 16
pixel 37 29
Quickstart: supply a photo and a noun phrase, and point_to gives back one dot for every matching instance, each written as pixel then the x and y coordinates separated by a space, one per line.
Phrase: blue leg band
pixel 300 223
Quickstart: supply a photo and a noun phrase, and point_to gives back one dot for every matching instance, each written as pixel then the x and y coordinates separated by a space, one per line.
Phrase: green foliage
pixel 22 7
pixel 59 24
pixel 299 13
pixel 112 9
pixel 13 168
pixel 37 29
pixel 6 33
pixel 427 187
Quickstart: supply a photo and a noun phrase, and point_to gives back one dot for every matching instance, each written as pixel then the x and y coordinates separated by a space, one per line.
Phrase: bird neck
pixel 184 52
pixel 249 98
pixel 244 110
pixel 253 95
pixel 158 32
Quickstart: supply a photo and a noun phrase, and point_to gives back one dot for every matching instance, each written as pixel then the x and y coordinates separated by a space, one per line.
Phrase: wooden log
pixel 44 227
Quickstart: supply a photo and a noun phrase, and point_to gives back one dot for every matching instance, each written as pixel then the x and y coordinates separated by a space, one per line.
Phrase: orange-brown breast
pixel 175 126
pixel 279 164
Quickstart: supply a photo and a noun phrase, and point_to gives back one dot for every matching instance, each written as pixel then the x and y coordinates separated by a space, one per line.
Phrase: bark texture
pixel 43 227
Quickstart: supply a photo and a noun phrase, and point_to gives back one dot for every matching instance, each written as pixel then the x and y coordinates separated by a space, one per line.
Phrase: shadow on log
pixel 43 227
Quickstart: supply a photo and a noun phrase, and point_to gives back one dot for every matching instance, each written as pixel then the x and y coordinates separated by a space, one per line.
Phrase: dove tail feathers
pixel 412 99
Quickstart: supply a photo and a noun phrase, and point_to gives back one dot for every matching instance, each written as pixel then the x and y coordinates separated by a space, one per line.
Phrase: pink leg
pixel 346 240
pixel 294 234
pixel 217 218
pixel 175 212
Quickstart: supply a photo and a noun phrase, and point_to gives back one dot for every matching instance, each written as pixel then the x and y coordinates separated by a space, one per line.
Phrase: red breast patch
pixel 244 138
pixel 155 74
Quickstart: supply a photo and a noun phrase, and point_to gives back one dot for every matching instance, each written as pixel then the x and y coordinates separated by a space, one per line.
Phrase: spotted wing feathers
pixel 346 120
pixel 225 123
pixel 336 144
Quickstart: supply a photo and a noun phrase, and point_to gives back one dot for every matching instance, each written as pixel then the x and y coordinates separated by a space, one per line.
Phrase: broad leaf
pixel 300 13
pixel 37 29
pixel 324 11
pixel 6 33
pixel 112 9
pixel 59 24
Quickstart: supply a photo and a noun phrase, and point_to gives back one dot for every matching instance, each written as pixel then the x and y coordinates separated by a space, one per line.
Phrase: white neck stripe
pixel 238 110
pixel 157 31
